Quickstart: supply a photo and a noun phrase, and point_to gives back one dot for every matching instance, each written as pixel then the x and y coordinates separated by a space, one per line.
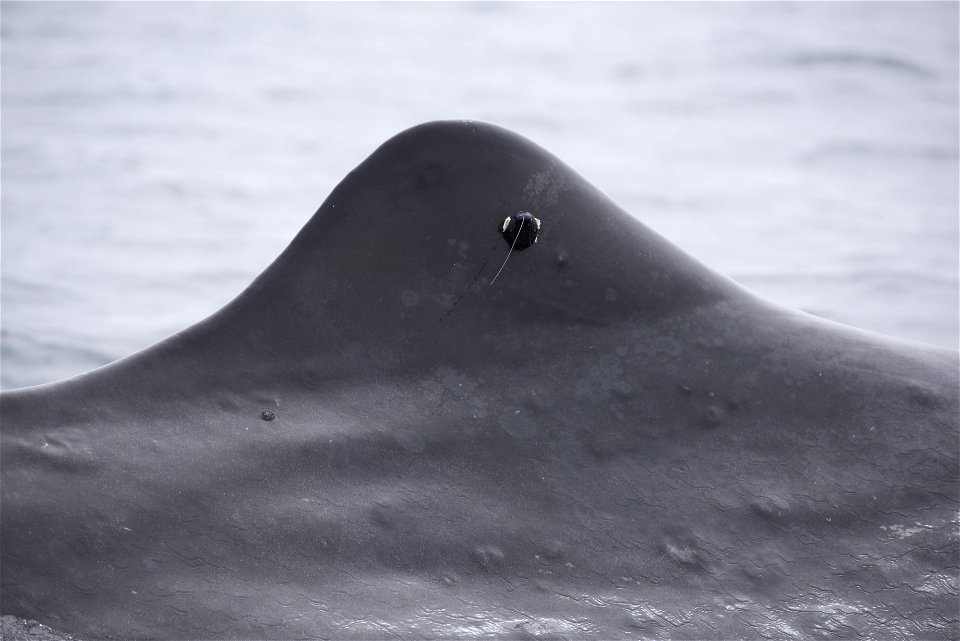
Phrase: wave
pixel 867 150
pixel 855 59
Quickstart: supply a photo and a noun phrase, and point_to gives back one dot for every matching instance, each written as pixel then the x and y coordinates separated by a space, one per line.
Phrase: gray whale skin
pixel 610 441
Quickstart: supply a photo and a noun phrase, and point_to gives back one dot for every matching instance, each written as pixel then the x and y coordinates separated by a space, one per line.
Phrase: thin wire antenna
pixel 509 252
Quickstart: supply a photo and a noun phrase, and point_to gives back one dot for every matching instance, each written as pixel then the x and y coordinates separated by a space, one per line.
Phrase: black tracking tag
pixel 520 231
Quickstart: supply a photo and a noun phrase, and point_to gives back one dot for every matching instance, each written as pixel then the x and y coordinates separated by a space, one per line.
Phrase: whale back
pixel 385 434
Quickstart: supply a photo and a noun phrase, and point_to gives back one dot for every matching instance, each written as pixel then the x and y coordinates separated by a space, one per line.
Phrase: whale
pixel 407 427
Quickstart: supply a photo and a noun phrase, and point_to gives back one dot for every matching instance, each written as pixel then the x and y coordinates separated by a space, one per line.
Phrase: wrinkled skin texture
pixel 610 441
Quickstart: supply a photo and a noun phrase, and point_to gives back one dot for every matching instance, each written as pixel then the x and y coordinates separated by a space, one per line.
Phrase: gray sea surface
pixel 157 156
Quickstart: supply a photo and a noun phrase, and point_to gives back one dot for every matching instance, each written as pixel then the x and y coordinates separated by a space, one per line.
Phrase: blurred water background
pixel 157 156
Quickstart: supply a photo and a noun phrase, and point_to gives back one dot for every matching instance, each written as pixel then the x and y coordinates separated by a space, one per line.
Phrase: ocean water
pixel 157 156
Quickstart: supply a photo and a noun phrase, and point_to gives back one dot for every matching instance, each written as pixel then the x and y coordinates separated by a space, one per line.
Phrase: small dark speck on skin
pixel 267 415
